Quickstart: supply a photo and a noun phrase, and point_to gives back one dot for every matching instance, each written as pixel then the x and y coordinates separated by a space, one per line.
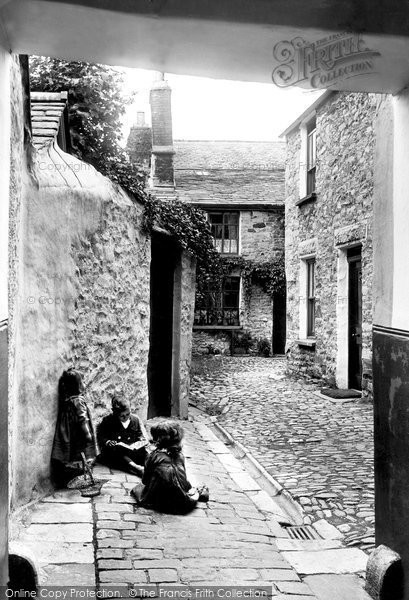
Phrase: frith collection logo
pixel 322 63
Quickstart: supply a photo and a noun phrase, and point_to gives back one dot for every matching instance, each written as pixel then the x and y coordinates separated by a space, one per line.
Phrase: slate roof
pixel 230 172
pixel 47 110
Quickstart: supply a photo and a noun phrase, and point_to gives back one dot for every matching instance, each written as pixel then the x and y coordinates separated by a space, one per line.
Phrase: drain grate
pixel 302 532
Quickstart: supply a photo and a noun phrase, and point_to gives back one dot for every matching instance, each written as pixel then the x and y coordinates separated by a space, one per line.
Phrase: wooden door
pixel 355 320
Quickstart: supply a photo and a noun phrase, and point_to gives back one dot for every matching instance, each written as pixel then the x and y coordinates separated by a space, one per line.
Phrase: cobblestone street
pixel 319 449
pixel 111 544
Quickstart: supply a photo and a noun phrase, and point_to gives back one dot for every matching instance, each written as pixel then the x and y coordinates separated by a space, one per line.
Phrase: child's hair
pixel 167 435
pixel 70 384
pixel 118 405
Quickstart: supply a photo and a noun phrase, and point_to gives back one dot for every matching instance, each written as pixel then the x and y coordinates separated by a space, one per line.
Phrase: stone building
pixel 329 231
pixel 227 39
pixel 86 290
pixel 240 185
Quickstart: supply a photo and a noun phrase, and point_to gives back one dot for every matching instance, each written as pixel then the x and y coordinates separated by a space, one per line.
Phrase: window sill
pixel 219 327
pixel 310 198
pixel 308 343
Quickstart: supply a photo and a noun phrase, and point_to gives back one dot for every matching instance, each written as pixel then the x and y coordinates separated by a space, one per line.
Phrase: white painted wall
pixel 342 320
pixel 303 161
pixel 4 170
pixel 229 39
pixel 400 305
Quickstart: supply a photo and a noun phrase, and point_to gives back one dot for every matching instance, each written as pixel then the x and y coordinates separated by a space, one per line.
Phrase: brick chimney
pixel 162 174
pixel 139 144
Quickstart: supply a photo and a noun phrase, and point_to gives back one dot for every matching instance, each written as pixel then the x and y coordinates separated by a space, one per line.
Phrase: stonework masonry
pixel 109 325
pixel 211 342
pixel 339 217
pixel 82 300
pixel 183 314
pixel 80 277
pixel 261 239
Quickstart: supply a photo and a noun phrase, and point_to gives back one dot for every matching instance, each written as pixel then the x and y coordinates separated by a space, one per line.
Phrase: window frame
pixel 215 310
pixel 310 296
pixel 225 214
pixel 311 156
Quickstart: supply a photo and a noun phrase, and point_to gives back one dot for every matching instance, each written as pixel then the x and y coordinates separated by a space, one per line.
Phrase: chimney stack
pixel 162 174
pixel 139 144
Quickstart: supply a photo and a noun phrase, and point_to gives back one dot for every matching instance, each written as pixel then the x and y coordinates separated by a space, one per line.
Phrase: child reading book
pixel 123 439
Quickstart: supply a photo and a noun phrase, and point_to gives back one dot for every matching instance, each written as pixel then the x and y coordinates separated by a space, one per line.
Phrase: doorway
pixel 355 318
pixel 164 259
pixel 279 323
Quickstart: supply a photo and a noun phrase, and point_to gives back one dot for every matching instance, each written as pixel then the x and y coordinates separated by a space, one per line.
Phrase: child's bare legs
pixel 136 461
pixel 126 460
pixel 133 467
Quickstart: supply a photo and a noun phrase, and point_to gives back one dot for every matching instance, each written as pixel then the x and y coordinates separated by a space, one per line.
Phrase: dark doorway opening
pixel 355 319
pixel 164 259
pixel 279 323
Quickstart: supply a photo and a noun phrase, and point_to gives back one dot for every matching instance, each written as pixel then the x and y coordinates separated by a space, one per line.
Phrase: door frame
pixel 342 314
pixel 352 260
pixel 184 283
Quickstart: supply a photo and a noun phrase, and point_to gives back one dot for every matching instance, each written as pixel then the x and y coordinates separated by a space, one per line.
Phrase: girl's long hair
pixel 168 436
pixel 70 384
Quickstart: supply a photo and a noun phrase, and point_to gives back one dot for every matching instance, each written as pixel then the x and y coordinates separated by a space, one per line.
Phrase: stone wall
pixel 211 342
pixel 262 233
pixel 5 113
pixel 110 322
pixel 81 299
pixel 340 216
pixel 20 180
pixel 183 314
pixel 261 239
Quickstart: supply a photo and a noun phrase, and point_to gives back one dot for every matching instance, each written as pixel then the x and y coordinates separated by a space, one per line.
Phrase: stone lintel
pixel 350 234
pixel 307 247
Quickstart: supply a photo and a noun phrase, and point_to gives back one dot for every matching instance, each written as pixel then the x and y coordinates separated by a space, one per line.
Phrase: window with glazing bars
pixel 311 156
pixel 310 297
pixel 219 304
pixel 225 231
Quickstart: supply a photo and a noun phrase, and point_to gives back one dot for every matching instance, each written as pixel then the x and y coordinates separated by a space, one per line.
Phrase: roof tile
pixel 230 172
pixel 46 112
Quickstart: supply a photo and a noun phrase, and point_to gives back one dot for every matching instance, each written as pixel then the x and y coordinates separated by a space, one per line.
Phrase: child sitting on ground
pixel 165 486
pixel 123 439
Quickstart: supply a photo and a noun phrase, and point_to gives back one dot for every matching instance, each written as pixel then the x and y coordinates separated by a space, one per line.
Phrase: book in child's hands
pixel 135 446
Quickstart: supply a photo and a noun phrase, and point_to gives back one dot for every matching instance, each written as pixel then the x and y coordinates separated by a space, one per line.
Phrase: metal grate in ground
pixel 302 532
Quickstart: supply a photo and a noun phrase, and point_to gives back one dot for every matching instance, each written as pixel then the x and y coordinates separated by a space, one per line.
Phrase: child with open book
pixel 122 438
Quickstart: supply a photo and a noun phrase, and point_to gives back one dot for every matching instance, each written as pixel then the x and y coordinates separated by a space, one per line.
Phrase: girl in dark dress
pixel 74 433
pixel 165 486
pixel 123 439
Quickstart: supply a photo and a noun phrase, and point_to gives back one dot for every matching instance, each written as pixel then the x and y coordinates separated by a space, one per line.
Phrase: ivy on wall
pixel 96 104
pixel 188 224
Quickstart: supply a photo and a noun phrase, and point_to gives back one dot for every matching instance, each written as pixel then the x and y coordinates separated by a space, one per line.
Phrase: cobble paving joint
pixel 226 541
pixel 319 450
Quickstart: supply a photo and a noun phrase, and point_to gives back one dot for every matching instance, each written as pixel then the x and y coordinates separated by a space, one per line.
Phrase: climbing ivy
pixel 96 105
pixel 190 227
pixel 269 275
